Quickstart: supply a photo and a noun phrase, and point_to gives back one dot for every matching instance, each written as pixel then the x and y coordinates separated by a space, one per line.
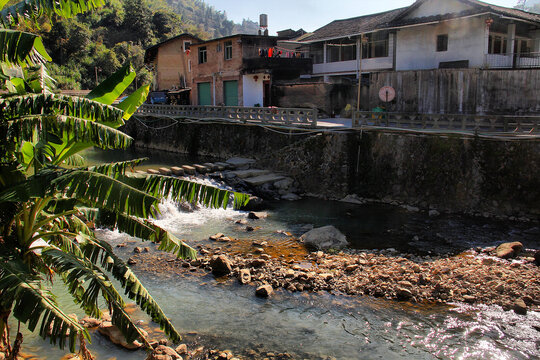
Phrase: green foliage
pixel 49 200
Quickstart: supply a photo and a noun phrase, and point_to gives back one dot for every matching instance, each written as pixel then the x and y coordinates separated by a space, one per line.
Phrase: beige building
pixel 170 63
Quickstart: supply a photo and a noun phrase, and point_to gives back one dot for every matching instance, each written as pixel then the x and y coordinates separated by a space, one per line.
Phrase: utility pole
pixel 521 4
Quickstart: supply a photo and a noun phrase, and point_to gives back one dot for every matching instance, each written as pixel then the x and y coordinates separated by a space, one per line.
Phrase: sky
pixel 310 14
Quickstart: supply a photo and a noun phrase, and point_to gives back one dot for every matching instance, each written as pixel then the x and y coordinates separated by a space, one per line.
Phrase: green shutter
pixel 203 90
pixel 231 93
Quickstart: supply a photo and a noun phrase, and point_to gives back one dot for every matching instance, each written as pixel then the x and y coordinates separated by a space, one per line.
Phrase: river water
pixel 225 315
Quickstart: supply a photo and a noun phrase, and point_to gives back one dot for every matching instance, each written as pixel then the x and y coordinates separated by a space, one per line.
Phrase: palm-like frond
pixel 178 189
pixel 111 89
pixel 18 48
pixel 32 303
pixel 87 283
pixel 15 107
pixel 99 250
pixel 117 168
pixel 142 229
pixel 106 192
pixel 31 10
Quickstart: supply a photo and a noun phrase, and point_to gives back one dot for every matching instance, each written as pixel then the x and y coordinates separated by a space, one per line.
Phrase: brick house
pixel 238 71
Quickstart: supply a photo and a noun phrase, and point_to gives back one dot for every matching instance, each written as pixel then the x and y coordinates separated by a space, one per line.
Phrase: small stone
pixel 131 261
pixel 181 349
pixel 404 294
pixel 520 307
pixel 433 213
pixel 249 228
pixel 469 298
pixel 244 276
pixel 264 291
pixel 221 265
pixel 509 250
pixel 138 250
pixel 216 236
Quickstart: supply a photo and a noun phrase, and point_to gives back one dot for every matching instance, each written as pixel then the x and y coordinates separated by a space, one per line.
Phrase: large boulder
pixel 327 237
pixel 509 250
pixel 221 265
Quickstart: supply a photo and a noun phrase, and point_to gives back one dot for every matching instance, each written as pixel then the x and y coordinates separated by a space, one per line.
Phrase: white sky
pixel 309 14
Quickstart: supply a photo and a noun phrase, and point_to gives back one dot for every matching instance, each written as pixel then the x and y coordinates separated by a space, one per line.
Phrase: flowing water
pixel 225 315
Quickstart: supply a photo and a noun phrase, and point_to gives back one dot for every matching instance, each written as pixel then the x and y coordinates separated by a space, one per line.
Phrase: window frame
pixel 442 43
pixel 228 50
pixel 203 55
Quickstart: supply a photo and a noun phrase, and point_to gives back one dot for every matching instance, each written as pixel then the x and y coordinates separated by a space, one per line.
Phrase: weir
pixel 452 172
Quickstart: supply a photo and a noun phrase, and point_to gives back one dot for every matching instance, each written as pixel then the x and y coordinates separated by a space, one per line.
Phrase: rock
pixel 249 228
pixel 257 215
pixel 403 294
pixel 240 163
pixel 163 352
pixel 221 265
pixel 520 307
pixel 327 237
pixel 257 263
pixel 509 250
pixel 89 322
pixel 434 213
pixel 244 276
pixel 165 171
pixel 290 197
pixel 255 204
pixel 216 236
pixel 131 261
pixel 110 331
pixel 284 184
pixel 181 349
pixel 264 291
pixel 138 250
pixel 352 199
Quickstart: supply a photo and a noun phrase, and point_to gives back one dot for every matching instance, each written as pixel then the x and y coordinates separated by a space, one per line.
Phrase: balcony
pixel 516 61
pixel 281 68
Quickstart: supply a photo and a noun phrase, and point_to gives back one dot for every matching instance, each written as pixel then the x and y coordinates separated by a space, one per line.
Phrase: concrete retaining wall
pixel 448 173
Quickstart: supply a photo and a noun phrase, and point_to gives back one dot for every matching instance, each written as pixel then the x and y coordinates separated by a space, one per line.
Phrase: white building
pixel 429 34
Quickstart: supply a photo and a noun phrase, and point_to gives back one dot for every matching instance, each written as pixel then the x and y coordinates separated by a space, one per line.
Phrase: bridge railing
pixel 260 115
pixel 450 122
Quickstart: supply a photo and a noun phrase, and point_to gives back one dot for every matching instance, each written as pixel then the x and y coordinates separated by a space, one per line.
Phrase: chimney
pixel 263 24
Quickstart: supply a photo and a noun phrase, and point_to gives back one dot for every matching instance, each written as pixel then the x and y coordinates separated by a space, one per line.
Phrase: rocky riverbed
pixel 476 277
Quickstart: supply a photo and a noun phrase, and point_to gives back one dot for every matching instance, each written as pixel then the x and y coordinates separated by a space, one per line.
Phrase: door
pixel 204 94
pixel 230 89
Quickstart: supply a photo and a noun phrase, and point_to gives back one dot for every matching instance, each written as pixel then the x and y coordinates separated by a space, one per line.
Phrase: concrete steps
pixel 263 179
pixel 244 174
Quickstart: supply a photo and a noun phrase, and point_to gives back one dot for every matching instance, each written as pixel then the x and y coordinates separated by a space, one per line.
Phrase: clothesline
pixel 276 52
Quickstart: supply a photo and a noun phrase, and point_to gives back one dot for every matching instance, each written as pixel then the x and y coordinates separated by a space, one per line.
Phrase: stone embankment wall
pixel 447 173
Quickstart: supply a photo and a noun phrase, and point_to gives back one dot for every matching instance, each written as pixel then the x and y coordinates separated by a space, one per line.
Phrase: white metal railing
pixel 520 61
pixel 263 115
pixel 449 122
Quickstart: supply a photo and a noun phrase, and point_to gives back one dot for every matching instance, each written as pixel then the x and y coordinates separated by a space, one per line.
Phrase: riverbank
pixel 470 277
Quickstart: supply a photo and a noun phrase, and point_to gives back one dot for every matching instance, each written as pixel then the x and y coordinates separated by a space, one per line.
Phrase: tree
pixel 50 202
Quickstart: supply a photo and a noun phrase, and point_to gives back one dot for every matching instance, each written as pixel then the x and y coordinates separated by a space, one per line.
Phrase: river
pixel 226 315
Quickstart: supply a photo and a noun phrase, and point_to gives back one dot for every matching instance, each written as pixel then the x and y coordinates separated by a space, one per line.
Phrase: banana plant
pixel 50 202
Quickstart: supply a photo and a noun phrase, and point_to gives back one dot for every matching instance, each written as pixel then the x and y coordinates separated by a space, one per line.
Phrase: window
pixel 497 44
pixel 442 42
pixel 187 45
pixel 341 50
pixel 376 46
pixel 202 55
pixel 218 47
pixel 228 50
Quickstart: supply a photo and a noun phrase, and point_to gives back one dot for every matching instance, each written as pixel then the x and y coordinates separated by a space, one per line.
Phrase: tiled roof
pixel 397 18
pixel 354 26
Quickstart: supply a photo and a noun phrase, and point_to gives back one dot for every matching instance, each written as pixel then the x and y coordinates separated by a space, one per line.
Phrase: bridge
pixel 520 126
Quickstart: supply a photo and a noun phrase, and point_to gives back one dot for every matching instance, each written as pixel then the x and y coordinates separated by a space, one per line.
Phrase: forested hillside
pixel 90 47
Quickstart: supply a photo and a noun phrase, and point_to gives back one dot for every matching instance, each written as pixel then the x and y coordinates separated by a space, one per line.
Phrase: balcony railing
pixel 518 61
pixel 246 115
pixel 516 124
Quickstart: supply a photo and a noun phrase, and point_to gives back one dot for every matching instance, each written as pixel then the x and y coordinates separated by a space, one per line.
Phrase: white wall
pixel 253 90
pixel 417 45
pixel 438 7
pixel 351 66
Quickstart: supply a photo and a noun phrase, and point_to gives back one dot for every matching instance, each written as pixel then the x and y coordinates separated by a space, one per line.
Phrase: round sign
pixel 387 93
